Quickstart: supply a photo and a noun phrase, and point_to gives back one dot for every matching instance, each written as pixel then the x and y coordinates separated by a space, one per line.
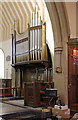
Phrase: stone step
pixel 22 117
pixel 27 117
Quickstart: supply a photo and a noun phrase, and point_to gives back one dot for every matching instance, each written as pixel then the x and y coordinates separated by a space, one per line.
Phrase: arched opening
pixel 1 64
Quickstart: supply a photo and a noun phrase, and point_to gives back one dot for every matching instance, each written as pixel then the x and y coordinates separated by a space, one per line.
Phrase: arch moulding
pixel 61 32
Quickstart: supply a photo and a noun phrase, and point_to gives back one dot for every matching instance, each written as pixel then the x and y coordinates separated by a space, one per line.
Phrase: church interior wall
pixel 6 47
pixel 71 11
pixel 60 80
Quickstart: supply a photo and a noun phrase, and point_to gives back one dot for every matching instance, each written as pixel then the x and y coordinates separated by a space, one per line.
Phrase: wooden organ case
pixel 30 55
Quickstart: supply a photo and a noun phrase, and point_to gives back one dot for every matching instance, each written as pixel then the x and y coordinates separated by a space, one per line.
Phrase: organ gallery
pixel 31 55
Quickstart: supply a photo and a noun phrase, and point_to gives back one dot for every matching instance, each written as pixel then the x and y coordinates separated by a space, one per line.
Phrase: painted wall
pixel 6 47
pixel 71 11
pixel 0 38
pixel 1 44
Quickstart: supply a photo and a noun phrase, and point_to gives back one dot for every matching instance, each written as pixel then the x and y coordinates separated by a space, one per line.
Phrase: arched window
pixel 1 64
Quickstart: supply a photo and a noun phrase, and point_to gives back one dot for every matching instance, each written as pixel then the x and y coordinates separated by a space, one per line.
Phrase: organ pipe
pixel 36 33
pixel 36 39
pixel 33 35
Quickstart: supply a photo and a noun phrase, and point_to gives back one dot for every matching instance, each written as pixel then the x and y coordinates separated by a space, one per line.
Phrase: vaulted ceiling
pixel 20 10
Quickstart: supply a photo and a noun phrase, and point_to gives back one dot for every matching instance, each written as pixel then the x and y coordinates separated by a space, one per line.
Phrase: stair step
pixel 26 117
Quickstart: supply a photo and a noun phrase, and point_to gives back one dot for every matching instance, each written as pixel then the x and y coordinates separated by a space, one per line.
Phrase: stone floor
pixel 16 109
pixel 7 108
pixel 19 103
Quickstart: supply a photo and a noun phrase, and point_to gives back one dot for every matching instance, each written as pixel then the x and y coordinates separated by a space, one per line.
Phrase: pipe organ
pixel 31 55
pixel 30 45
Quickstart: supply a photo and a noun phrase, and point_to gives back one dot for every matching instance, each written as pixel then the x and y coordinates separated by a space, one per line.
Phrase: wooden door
pixel 72 76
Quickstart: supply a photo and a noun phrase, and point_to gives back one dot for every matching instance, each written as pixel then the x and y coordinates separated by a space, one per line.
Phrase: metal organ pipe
pixel 35 36
pixel 33 40
pixel 44 55
pixel 36 32
pixel 40 39
pixel 39 34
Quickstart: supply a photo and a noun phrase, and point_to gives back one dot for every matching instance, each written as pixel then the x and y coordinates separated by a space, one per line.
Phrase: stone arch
pixel 61 31
pixel 2 50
